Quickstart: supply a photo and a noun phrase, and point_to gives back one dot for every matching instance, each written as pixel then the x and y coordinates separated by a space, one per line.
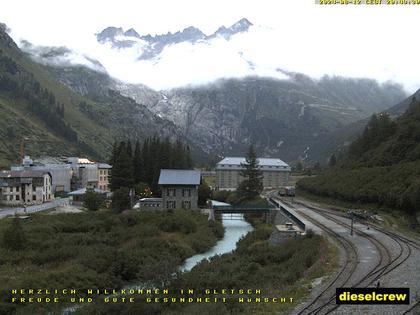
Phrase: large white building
pixel 275 172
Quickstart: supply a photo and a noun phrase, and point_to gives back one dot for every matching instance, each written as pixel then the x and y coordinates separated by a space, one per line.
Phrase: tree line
pixel 382 166
pixel 18 83
pixel 140 163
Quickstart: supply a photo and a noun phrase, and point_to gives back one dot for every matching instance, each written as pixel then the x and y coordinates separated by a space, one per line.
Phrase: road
pixel 366 257
pixel 4 212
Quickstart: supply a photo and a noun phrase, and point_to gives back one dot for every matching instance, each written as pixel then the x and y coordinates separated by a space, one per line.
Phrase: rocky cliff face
pixel 283 118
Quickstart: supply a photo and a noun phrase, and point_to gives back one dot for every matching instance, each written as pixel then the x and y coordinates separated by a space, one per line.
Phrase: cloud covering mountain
pixel 190 57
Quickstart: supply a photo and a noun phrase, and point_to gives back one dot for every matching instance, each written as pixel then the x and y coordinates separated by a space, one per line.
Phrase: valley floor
pixel 371 254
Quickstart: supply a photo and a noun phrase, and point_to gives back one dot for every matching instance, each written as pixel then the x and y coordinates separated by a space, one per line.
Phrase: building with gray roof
pixel 275 172
pixel 179 188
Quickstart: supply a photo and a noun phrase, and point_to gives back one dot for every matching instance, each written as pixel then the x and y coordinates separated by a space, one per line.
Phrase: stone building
pixel 25 187
pixel 179 188
pixel 275 172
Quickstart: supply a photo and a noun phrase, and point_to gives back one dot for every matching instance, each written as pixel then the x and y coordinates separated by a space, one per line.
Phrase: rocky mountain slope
pixel 51 118
pixel 293 118
pixel 153 45
pixel 285 118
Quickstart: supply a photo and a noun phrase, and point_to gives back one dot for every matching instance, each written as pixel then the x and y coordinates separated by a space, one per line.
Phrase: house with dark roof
pixel 179 191
pixel 179 188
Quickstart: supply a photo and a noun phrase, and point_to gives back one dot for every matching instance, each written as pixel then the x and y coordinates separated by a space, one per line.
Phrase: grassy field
pixel 98 250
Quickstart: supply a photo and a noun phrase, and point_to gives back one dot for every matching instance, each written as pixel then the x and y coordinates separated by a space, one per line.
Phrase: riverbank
pixel 274 277
pixel 99 250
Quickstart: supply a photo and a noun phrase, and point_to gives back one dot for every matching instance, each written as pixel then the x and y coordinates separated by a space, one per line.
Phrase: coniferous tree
pixel 137 164
pixel 121 199
pixel 122 170
pixel 252 185
pixel 143 164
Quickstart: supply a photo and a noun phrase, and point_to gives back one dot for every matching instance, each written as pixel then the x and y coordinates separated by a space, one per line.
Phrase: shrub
pixel 92 200
pixel 14 237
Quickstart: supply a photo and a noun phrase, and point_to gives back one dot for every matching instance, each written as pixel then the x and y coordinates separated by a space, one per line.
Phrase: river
pixel 234 230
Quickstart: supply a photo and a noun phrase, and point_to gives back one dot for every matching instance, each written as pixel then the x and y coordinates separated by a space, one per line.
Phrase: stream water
pixel 234 230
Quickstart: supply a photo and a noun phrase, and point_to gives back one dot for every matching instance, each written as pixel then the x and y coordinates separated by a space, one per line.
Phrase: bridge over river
pixel 218 208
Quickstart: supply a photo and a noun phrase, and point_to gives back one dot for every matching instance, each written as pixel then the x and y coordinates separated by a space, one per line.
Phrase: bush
pixel 221 195
pixel 178 222
pixel 14 237
pixel 92 200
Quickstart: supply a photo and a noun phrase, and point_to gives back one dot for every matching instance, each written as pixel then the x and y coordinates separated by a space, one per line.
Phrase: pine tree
pixel 137 164
pixel 252 185
pixel 122 170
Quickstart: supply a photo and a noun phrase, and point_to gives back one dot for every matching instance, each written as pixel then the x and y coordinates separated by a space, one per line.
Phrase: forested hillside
pixel 382 166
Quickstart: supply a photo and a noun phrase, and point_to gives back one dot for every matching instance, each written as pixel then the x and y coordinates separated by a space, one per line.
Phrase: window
pixel 17 189
pixel 170 192
pixel 186 192
pixel 34 197
pixel 33 188
pixel 171 204
pixel 11 189
pixel 17 197
pixel 186 205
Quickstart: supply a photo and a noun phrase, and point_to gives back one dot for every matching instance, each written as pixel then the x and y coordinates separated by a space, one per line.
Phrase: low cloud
pixel 261 51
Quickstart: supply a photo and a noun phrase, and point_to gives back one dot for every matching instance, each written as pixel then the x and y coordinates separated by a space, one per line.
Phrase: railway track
pixel 387 261
pixel 391 266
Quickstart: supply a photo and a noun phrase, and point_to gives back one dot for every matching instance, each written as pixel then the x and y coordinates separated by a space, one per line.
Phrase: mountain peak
pixel 132 33
pixel 155 44
pixel 109 33
pixel 241 26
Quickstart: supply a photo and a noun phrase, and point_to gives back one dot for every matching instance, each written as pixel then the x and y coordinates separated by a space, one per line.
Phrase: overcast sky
pixel 298 35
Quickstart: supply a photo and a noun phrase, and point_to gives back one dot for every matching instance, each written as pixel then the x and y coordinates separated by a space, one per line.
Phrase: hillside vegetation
pixel 382 165
pixel 56 119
